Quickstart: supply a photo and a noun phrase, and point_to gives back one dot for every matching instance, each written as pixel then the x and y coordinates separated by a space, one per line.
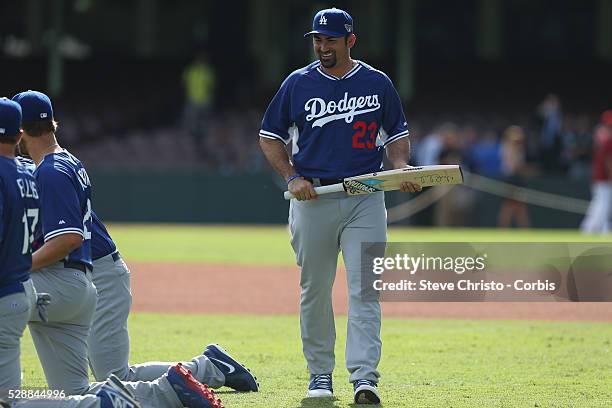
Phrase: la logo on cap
pixel 43 115
pixel 323 20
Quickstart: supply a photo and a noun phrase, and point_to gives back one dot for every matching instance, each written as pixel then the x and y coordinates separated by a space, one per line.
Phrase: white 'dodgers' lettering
pixel 346 108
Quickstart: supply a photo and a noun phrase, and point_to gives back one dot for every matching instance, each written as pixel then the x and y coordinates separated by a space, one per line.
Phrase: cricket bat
pixel 389 180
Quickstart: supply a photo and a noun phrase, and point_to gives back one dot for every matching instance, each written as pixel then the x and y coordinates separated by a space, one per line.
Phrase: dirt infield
pixel 189 288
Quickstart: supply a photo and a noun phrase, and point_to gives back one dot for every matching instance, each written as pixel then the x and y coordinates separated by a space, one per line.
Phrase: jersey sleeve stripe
pixel 63 231
pixel 270 135
pixel 394 138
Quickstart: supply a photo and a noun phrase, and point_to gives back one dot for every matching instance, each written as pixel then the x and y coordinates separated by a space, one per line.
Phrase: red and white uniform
pixel 597 219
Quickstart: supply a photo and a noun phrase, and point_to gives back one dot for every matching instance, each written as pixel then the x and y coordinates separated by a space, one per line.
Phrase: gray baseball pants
pixel 156 394
pixel 320 229
pixel 61 343
pixel 15 310
pixel 109 341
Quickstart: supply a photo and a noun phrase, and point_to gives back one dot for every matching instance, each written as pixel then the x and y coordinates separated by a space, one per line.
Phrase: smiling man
pixel 340 115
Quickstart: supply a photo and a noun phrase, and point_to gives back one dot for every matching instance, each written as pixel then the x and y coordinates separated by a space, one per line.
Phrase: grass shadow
pixel 319 403
pixel 230 392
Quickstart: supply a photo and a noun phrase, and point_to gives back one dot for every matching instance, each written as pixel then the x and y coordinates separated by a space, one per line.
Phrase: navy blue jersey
pixel 65 200
pixel 19 215
pixel 37 232
pixel 101 242
pixel 339 126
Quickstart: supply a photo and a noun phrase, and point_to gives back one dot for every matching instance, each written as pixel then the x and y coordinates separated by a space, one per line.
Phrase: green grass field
pixel 426 363
pixel 270 245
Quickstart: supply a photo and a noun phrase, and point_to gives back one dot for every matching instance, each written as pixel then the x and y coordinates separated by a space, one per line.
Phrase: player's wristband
pixel 291 178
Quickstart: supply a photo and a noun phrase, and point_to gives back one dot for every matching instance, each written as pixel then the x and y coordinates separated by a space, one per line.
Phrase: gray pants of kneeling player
pixel 320 229
pixel 155 394
pixel 15 310
pixel 109 341
pixel 61 343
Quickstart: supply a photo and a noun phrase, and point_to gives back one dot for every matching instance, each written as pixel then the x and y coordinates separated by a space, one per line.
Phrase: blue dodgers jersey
pixel 101 242
pixel 19 215
pixel 37 231
pixel 65 199
pixel 339 126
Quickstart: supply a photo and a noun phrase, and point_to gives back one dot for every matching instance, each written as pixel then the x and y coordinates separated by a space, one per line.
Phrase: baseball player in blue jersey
pixel 61 266
pixel 18 212
pixel 61 261
pixel 339 114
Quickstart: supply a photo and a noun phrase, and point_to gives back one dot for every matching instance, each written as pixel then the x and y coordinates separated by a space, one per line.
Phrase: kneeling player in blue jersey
pixel 340 115
pixel 18 212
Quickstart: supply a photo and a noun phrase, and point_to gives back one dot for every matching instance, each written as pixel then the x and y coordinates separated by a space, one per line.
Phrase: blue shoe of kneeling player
pixel 320 386
pixel 114 394
pixel 191 392
pixel 366 392
pixel 237 376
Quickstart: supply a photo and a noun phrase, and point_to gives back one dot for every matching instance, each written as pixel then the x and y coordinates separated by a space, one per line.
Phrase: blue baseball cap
pixel 332 22
pixel 10 117
pixel 36 106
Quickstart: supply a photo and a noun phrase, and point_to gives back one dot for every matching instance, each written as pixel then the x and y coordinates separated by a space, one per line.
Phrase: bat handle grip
pixel 332 188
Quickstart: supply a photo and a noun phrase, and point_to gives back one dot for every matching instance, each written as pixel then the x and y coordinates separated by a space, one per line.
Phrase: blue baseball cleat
pixel 114 394
pixel 320 386
pixel 237 376
pixel 366 392
pixel 191 392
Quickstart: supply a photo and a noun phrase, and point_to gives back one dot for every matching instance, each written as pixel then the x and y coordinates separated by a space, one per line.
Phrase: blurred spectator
pixel 431 146
pixel 485 155
pixel 549 112
pixel 514 168
pixel 454 208
pixel 577 146
pixel 597 219
pixel 199 82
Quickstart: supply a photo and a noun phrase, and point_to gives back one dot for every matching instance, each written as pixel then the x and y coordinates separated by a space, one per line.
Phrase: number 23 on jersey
pixel 365 135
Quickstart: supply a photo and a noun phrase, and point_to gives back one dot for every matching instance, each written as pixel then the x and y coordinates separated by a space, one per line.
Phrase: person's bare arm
pixel 277 156
pixel 398 154
pixel 55 250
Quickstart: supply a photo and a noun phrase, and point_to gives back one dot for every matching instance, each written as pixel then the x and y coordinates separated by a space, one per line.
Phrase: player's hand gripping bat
pixel 425 176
